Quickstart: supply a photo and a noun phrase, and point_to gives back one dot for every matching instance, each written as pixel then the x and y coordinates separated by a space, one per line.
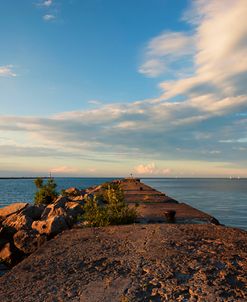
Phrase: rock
pixel 12 209
pixel 28 241
pixel 73 191
pixel 52 226
pixel 61 200
pixel 74 209
pixel 9 254
pixel 53 210
pixel 34 211
pixel 6 253
pixel 16 222
pixel 78 199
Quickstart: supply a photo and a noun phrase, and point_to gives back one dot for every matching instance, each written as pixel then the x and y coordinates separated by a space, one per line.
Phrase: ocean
pixel 225 199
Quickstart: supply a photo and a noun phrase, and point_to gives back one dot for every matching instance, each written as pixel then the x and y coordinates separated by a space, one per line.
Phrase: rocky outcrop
pixel 51 226
pixel 73 208
pixel 135 263
pixel 12 209
pixel 34 211
pixel 28 241
pixel 25 227
pixel 16 222
pixel 9 253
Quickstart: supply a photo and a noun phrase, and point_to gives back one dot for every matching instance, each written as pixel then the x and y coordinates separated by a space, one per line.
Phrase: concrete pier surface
pixel 154 205
pixel 134 263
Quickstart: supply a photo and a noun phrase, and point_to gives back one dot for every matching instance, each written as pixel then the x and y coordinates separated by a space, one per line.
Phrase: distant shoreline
pixel 44 177
pixel 90 177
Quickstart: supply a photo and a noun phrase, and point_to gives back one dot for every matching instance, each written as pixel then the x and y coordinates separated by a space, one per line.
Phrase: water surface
pixel 224 199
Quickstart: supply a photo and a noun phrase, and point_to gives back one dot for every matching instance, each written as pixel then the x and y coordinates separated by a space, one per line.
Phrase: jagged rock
pixel 6 253
pixel 10 254
pixel 73 209
pixel 12 209
pixel 78 199
pixel 28 241
pixel 60 201
pixel 73 191
pixel 34 211
pixel 53 210
pixel 52 226
pixel 16 222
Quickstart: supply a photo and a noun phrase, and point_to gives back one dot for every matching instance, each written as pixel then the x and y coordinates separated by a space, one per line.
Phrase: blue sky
pixel 108 88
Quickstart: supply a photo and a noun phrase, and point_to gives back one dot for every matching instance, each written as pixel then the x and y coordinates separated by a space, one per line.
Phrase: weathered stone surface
pixel 5 252
pixel 61 201
pixel 78 199
pixel 73 209
pixel 52 226
pixel 53 210
pixel 12 209
pixel 16 222
pixel 28 241
pixel 135 263
pixel 73 191
pixel 34 211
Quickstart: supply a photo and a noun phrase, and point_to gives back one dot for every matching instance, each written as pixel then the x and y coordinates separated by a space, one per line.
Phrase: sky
pixel 108 88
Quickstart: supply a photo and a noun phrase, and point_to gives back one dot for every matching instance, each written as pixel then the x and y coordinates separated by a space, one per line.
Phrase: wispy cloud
pixel 49 17
pixel 64 170
pixel 164 50
pixel 151 169
pixel 7 71
pixel 47 3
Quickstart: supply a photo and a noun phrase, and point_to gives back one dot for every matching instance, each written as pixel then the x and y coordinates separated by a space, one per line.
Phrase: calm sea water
pixel 225 199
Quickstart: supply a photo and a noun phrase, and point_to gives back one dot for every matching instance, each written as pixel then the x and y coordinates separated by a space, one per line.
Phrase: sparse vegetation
pixel 114 212
pixel 46 193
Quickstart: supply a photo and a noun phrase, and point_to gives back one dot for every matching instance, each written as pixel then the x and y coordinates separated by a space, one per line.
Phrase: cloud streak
pixel 49 17
pixel 7 71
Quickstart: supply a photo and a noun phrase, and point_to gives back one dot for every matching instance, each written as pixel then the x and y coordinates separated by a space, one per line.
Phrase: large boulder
pixel 73 209
pixel 79 199
pixel 33 211
pixel 72 191
pixel 61 201
pixel 6 252
pixel 52 226
pixel 17 222
pixel 28 241
pixel 12 209
pixel 10 254
pixel 53 210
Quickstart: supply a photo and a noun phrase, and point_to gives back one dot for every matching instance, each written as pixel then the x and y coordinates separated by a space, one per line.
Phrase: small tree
pixel 115 212
pixel 46 193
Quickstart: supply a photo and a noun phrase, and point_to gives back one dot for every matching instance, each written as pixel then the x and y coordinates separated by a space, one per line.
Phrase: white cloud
pixel 64 170
pixel 49 17
pixel 145 169
pixel 164 50
pixel 151 169
pixel 47 3
pixel 94 102
pixel 220 63
pixel 7 71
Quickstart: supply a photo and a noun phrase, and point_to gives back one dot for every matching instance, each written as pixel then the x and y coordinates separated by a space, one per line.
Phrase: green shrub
pixel 46 193
pixel 115 212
